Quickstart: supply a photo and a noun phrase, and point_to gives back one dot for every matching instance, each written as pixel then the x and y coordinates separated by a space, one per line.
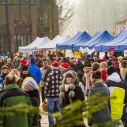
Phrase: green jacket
pixel 11 95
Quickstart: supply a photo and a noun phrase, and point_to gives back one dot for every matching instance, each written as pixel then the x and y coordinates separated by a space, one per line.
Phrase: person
pixel 51 90
pixel 1 63
pixel 24 74
pixel 39 64
pixel 63 67
pixel 73 65
pixel 17 63
pixel 5 59
pixel 117 88
pixel 103 68
pixel 95 67
pixel 59 61
pixel 65 61
pixel 124 68
pixel 86 77
pixel 87 61
pixel 103 115
pixel 110 62
pixel 16 73
pixel 12 93
pixel 30 87
pixel 35 71
pixel 23 62
pixel 80 66
pixel 10 63
pixel 72 91
pixel 43 71
pixel 120 59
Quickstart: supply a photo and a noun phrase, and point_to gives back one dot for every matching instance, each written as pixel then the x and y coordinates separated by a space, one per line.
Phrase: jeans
pixel 50 107
pixel 42 94
pixel 124 117
pixel 116 125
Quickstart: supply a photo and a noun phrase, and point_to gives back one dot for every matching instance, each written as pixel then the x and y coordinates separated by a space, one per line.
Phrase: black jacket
pixel 87 62
pixel 74 68
pixel 34 96
pixel 20 81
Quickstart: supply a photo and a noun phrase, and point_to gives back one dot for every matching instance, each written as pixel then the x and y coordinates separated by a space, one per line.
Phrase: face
pixel 61 69
pixel 74 63
pixel 44 66
pixel 25 72
pixel 9 61
pixel 0 60
pixel 68 80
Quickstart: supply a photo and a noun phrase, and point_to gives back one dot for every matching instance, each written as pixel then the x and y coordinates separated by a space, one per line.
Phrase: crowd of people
pixel 62 81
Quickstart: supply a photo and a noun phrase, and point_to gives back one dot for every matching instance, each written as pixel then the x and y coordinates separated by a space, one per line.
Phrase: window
pixel 2 16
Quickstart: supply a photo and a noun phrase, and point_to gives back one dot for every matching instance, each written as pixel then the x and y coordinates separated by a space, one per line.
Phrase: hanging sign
pixel 125 53
pixel 111 51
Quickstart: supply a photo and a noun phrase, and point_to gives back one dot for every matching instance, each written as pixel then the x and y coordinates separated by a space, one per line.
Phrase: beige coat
pixel 87 71
pixel 122 72
pixel 43 71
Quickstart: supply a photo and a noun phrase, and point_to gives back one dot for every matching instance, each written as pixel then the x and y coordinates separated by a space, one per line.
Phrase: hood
pixel 114 77
pixel 87 69
pixel 72 73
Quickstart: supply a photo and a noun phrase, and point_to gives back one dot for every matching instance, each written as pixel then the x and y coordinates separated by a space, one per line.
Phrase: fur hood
pixel 72 73
pixel 87 69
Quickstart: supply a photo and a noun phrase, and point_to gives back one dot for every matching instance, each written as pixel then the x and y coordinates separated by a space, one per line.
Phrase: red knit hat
pixel 24 62
pixel 116 64
pixel 64 66
pixel 55 65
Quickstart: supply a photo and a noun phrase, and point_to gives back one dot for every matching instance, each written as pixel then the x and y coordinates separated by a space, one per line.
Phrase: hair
pixel 96 75
pixel 38 64
pixel 111 70
pixel 10 80
pixel 124 63
pixel 95 66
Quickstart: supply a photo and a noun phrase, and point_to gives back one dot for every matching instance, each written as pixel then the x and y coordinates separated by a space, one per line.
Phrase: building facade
pixel 21 21
pixel 121 24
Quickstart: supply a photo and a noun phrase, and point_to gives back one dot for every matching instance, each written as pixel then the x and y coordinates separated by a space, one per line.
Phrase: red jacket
pixel 103 75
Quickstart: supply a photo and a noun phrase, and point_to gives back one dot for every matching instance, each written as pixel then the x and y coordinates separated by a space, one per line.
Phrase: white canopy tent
pixel 52 44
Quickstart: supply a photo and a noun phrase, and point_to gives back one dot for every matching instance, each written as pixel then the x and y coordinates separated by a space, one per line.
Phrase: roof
pixel 122 19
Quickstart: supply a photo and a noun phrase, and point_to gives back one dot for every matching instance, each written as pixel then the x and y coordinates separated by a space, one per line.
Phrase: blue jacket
pixel 36 72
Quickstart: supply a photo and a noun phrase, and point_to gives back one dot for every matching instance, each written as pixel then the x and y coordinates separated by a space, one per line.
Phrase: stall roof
pixel 118 43
pixel 100 37
pixel 52 44
pixel 80 37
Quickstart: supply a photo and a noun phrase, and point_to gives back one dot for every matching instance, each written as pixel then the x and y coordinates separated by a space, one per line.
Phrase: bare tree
pixel 50 11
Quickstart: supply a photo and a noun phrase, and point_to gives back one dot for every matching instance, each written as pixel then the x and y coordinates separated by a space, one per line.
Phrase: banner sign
pixel 112 51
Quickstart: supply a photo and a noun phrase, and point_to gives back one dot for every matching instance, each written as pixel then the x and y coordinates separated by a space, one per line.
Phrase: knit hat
pixel 120 58
pixel 111 70
pixel 24 68
pixel 32 60
pixel 6 57
pixel 24 62
pixel 103 65
pixel 30 84
pixel 78 60
pixel 88 56
pixel 55 65
pixel 64 66
pixel 4 75
pixel 116 64
pixel 45 63
pixel 64 59
pixel 44 59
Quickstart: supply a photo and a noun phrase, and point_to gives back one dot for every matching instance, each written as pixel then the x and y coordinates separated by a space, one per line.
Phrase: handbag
pixel 44 106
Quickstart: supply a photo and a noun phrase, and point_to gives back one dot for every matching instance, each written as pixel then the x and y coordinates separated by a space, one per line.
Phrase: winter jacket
pixel 87 62
pixel 53 81
pixel 123 71
pixel 46 74
pixel 103 75
pixel 117 89
pixel 34 97
pixel 35 71
pixel 103 115
pixel 125 79
pixel 87 71
pixel 74 67
pixel 11 95
pixel 80 66
pixel 22 77
pixel 43 71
